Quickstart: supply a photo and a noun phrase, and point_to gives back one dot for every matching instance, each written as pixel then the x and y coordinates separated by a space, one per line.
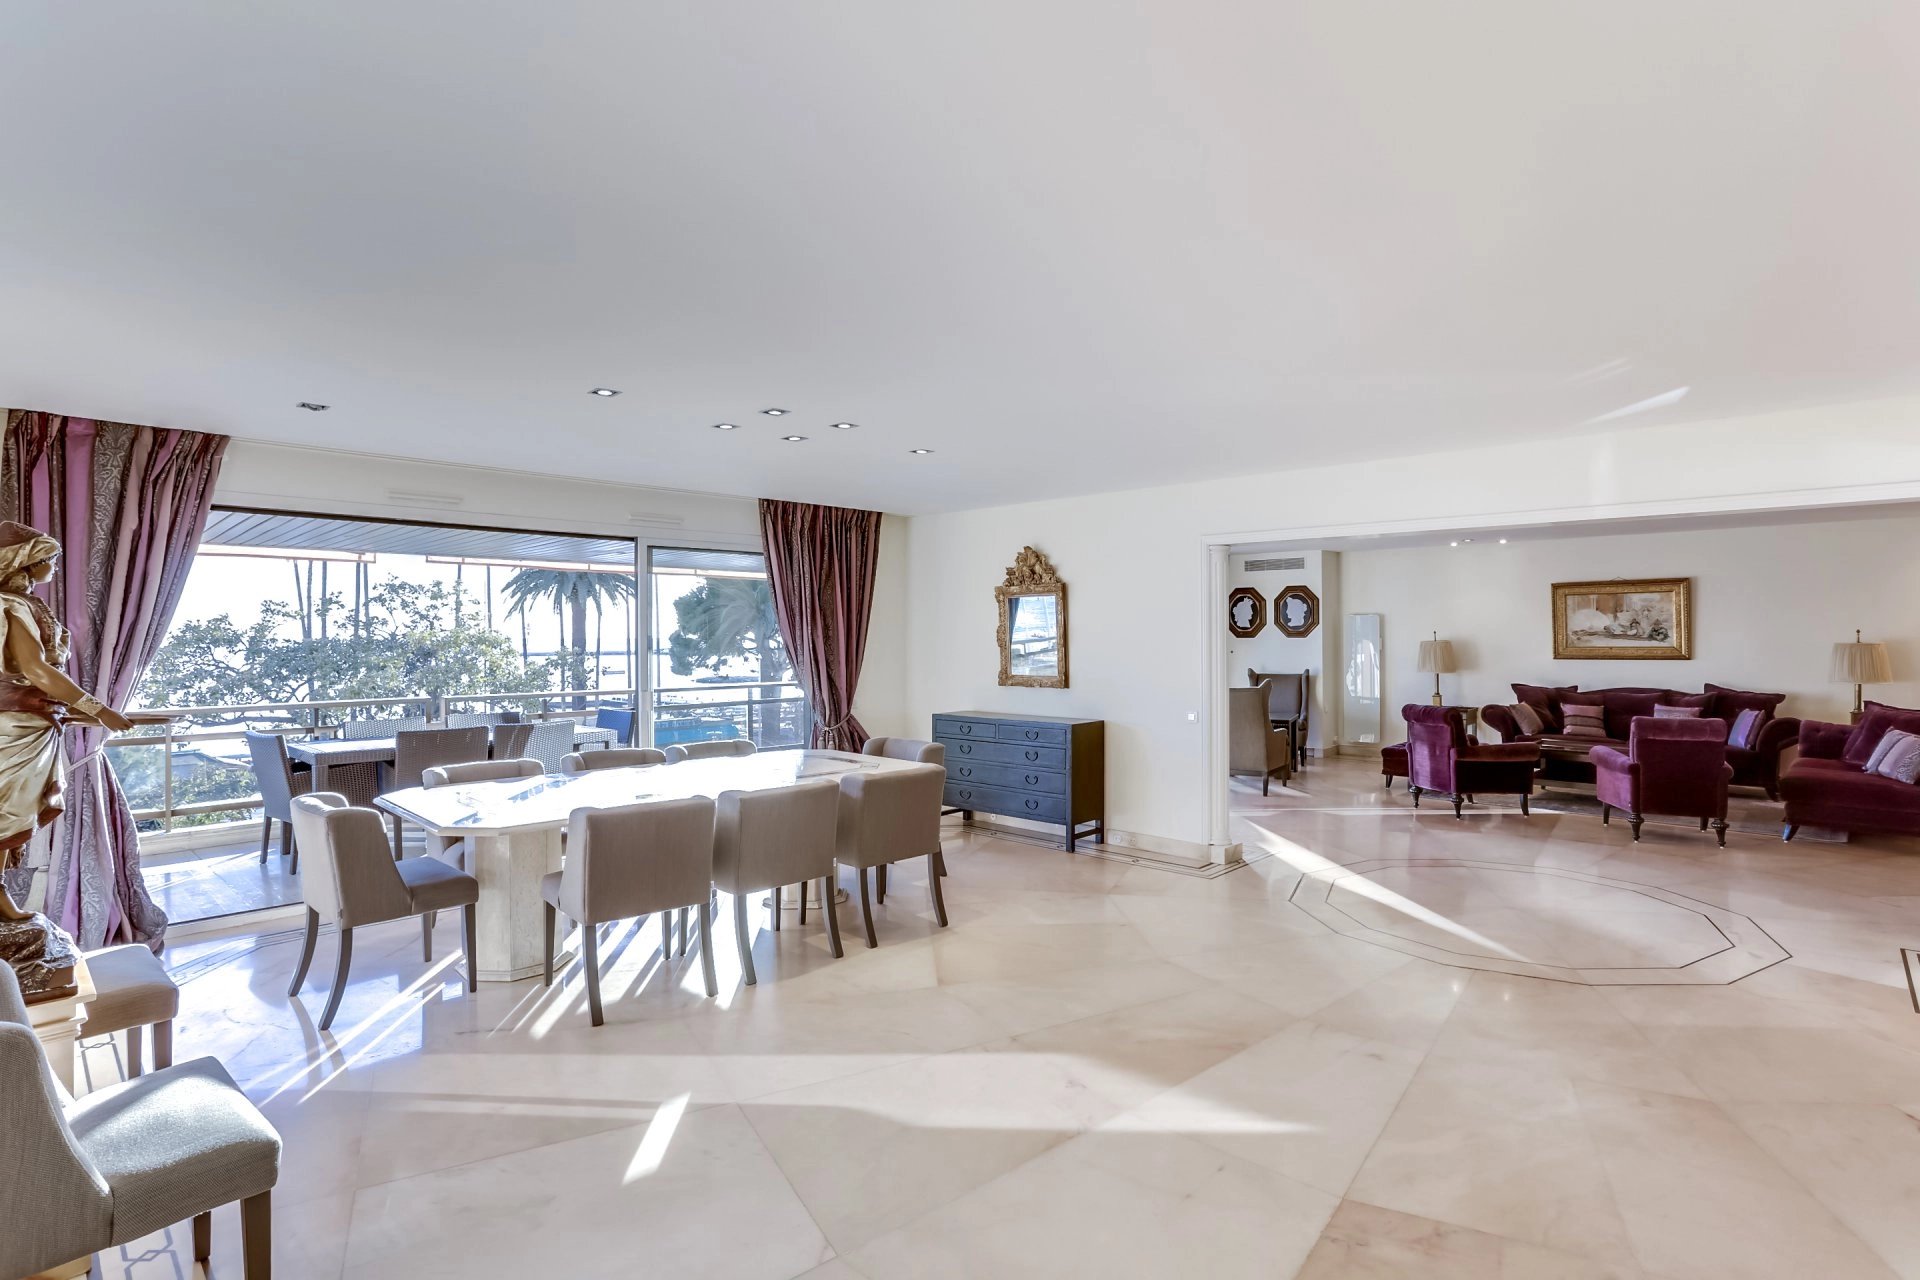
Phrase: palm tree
pixel 571 592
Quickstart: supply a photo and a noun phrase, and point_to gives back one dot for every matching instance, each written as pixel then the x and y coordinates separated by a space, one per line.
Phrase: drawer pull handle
pixel 965 794
pixel 966 728
pixel 1033 779
pixel 1032 736
pixel 965 772
pixel 1033 755
pixel 1033 804
pixel 966 748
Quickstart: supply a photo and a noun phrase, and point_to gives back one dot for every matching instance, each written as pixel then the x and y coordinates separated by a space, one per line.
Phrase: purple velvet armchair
pixel 1674 767
pixel 1442 758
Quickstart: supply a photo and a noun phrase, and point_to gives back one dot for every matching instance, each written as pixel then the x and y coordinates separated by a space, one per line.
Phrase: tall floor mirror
pixel 1360 685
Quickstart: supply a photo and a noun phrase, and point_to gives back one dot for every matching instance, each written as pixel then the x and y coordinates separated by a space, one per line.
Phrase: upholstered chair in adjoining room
pixel 357 883
pixel 1255 748
pixel 710 750
pixel 889 817
pixel 127 1160
pixel 765 839
pixel 280 780
pixel 453 849
pixel 132 993
pixel 1673 767
pixel 630 861
pixel 416 752
pixel 1287 706
pixel 1442 758
pixel 612 758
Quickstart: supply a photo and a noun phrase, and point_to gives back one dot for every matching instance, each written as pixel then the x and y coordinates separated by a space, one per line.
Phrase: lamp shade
pixel 1436 656
pixel 1860 662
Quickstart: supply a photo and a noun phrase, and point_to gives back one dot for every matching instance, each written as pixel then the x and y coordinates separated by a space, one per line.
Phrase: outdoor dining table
pixel 326 755
pixel 512 829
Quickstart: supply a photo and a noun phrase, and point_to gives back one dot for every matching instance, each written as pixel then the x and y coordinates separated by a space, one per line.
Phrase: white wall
pixel 1142 620
pixel 1275 650
pixel 331 482
pixel 1768 604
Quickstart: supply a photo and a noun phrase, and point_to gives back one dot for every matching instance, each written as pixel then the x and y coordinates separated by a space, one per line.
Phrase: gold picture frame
pixel 1033 624
pixel 1647 619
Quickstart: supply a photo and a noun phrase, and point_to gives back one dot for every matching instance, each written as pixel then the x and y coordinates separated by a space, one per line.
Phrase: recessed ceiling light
pixel 310 405
pixel 793 439
pixel 1453 544
pixel 1466 539
pixel 605 391
pixel 1503 542
pixel 773 413
pixel 919 451
pixel 845 426
pixel 724 426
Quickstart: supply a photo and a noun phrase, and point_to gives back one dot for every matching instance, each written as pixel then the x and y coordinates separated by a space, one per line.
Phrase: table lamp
pixel 1436 656
pixel 1857 662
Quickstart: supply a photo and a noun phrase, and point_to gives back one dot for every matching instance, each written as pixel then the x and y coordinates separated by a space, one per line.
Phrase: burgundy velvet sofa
pixel 1755 766
pixel 1828 787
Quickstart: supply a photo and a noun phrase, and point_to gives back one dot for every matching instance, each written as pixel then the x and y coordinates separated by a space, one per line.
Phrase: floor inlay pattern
pixel 1543 922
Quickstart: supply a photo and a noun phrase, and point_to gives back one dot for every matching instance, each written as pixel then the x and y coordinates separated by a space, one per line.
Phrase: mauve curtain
pixel 127 505
pixel 820 564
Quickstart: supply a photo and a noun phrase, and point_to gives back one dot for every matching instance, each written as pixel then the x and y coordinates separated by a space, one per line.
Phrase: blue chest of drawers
pixel 1040 768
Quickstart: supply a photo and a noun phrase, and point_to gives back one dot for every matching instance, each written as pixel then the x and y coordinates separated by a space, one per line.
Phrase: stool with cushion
pixel 124 1161
pixel 1393 763
pixel 716 749
pixel 358 883
pixel 132 990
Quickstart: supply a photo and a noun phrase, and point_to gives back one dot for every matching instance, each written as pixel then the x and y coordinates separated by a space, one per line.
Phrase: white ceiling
pixel 1071 246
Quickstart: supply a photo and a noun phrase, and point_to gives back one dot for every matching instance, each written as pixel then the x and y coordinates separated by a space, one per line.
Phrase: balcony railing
pixel 194 769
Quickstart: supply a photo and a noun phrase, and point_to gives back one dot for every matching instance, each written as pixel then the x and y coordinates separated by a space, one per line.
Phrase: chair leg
pixel 740 937
pixel 866 907
pixel 1525 799
pixel 590 961
pixel 775 898
pixel 256 1237
pixel 266 839
pixel 705 914
pixel 1634 820
pixel 133 1052
pixel 1703 824
pixel 880 885
pixel 426 937
pixel 1266 781
pixel 1606 815
pixel 202 1236
pixel 306 952
pixel 803 902
pixel 940 859
pixel 833 916
pixel 939 902
pixel 680 918
pixel 393 821
pixel 1416 794
pixel 471 920
pixel 548 979
pixel 1720 831
pixel 1458 802
pixel 1787 832
pixel 339 978
pixel 290 850
pixel 162 1034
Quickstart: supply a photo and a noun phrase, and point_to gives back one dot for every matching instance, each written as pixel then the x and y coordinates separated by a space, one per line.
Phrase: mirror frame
pixel 1259 622
pixel 1304 594
pixel 1030 574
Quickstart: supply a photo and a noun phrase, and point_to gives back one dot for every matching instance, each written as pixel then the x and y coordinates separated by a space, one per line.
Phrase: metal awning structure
pixel 333 535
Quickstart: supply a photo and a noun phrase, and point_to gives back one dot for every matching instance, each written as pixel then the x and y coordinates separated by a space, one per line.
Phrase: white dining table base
pixel 510 922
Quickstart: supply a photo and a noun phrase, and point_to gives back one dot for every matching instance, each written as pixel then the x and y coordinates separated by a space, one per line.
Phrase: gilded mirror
pixel 1033 624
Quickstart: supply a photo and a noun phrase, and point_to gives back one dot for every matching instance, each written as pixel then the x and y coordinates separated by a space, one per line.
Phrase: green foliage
pixel 407 644
pixel 724 619
pixel 571 593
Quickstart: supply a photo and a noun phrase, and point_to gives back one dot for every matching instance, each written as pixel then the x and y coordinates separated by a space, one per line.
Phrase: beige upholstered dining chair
pixel 709 750
pixel 1255 748
pixel 127 1160
pixel 134 994
pixel 612 758
pixel 765 839
pixel 452 848
pixel 630 861
pixel 416 752
pixel 279 782
pixel 356 883
pixel 888 817
pixel 919 751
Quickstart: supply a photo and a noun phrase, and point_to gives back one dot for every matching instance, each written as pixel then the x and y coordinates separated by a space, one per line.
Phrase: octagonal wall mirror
pixel 1296 611
pixel 1033 624
pixel 1246 612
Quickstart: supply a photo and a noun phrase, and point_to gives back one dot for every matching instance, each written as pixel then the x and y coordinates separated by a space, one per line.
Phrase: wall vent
pixel 1276 564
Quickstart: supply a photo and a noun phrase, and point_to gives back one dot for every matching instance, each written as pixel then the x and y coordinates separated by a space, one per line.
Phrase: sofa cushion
pixel 1833 784
pixel 1874 724
pixel 1585 720
pixel 1527 720
pixel 1731 701
pixel 1664 712
pixel 1545 699
pixel 1708 703
pixel 1623 706
pixel 1897 757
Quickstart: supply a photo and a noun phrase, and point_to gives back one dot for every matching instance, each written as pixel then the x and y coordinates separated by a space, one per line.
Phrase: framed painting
pixel 1650 618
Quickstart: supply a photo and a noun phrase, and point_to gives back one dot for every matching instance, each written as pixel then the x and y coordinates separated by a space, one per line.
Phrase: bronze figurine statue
pixel 36 701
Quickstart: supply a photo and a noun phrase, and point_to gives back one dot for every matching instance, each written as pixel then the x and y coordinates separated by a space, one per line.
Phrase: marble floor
pixel 1114 1070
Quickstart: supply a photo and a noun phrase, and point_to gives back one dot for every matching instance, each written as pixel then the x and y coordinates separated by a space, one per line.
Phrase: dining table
pixel 512 829
pixel 347 765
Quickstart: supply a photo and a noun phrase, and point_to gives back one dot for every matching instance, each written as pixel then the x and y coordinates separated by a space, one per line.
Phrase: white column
pixel 1213 714
pixel 510 921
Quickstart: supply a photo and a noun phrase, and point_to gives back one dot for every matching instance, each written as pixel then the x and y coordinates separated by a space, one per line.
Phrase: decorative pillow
pixel 1527 720
pixel 1874 723
pixel 1746 729
pixel 1624 706
pixel 1545 700
pixel 1897 757
pixel 1676 713
pixel 1583 720
pixel 1708 703
pixel 1741 699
